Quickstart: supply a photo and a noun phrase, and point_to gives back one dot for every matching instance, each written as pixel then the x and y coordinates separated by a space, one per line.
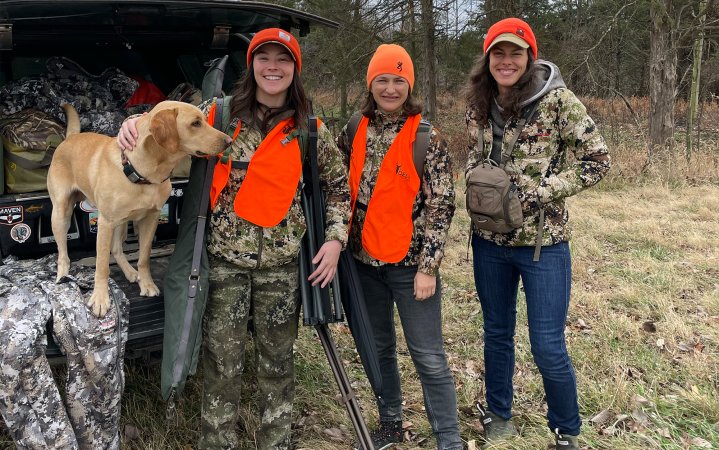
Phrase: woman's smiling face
pixel 274 70
pixel 389 92
pixel 507 63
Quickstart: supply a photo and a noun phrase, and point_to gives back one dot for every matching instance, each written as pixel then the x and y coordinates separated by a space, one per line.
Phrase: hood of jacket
pixel 546 79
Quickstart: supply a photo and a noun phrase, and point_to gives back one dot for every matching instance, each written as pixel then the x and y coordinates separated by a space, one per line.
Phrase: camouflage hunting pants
pixel 30 401
pixel 271 298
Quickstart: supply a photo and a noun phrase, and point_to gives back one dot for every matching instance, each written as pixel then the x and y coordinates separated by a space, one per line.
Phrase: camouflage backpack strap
pixel 420 146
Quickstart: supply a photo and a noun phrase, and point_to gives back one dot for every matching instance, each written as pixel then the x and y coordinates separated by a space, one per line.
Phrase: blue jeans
pixel 547 284
pixel 422 325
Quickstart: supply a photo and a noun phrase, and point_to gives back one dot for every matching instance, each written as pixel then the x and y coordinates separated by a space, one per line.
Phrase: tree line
pixel 665 50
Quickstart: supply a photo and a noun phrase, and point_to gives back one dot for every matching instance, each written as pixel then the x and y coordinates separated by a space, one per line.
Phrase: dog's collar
pixel 131 173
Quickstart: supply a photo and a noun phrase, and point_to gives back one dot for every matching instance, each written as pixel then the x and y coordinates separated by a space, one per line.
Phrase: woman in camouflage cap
pixel 507 84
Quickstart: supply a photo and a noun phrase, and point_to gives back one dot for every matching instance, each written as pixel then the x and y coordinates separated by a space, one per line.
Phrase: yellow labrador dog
pixel 124 186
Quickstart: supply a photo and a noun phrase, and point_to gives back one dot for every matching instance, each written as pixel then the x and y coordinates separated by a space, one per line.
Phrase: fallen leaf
pixel 334 433
pixel 131 432
pixel 640 418
pixel 609 431
pixel 701 443
pixel 640 400
pixel 683 347
pixel 601 418
pixel 476 425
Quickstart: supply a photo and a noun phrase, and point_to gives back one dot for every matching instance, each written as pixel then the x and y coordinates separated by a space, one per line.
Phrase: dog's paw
pixel 148 289
pixel 99 303
pixel 63 269
pixel 130 274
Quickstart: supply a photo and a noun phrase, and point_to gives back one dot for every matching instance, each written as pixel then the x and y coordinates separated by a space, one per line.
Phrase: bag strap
pixel 352 126
pixel 29 164
pixel 315 174
pixel 194 280
pixel 505 156
pixel 225 115
pixel 520 126
pixel 420 146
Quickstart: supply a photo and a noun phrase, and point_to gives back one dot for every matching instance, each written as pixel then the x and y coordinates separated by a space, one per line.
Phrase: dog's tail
pixel 73 120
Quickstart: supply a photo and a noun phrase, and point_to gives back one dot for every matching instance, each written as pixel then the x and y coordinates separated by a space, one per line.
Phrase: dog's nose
pixel 228 140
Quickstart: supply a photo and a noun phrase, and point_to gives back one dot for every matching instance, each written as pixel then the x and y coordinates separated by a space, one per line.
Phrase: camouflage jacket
pixel 558 153
pixel 250 246
pixel 433 207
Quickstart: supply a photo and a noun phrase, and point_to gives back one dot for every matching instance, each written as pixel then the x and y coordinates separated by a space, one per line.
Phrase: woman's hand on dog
pixel 127 137
pixel 326 260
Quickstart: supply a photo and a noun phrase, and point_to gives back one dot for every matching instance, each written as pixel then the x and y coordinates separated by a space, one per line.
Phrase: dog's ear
pixel 163 128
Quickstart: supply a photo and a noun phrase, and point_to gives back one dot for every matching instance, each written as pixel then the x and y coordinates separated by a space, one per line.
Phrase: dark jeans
pixel 422 325
pixel 547 284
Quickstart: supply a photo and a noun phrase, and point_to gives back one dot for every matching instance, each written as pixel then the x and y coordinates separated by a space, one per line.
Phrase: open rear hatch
pixel 167 42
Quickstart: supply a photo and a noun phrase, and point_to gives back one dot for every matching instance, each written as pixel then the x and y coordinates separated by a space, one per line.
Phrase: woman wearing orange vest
pixel 253 242
pixel 401 215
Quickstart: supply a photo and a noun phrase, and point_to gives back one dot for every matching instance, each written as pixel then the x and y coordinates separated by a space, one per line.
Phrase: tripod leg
pixel 348 395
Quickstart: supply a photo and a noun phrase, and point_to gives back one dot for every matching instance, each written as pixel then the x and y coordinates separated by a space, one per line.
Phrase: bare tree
pixel 429 69
pixel 662 75
pixel 697 52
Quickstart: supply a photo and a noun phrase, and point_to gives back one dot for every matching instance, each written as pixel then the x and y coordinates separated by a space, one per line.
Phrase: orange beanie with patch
pixel 392 59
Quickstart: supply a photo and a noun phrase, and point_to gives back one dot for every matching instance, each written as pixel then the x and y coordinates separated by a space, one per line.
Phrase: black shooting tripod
pixel 324 305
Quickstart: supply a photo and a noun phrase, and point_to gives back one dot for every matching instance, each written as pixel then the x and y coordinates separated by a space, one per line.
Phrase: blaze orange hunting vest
pixel 387 229
pixel 270 183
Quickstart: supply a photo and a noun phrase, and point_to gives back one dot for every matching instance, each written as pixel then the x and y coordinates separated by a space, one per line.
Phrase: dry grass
pixel 643 326
pixel 642 331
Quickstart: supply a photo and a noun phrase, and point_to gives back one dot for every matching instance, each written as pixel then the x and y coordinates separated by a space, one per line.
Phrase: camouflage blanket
pixel 30 401
pixel 98 99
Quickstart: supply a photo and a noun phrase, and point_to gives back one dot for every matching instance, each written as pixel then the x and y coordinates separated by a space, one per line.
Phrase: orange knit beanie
pixel 392 59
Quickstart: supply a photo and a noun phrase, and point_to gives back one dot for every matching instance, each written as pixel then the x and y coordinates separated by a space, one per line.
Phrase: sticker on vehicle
pixel 10 215
pixel 20 232
pixel 87 206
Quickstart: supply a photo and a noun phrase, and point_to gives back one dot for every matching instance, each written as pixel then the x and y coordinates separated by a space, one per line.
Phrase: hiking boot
pixel 495 428
pixel 566 441
pixel 388 434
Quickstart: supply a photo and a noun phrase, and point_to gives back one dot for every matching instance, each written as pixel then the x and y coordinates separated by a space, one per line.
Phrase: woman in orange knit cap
pixel 402 197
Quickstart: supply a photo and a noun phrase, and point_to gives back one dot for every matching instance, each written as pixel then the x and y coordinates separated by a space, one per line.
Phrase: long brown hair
pixel 410 107
pixel 243 99
pixel 482 90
